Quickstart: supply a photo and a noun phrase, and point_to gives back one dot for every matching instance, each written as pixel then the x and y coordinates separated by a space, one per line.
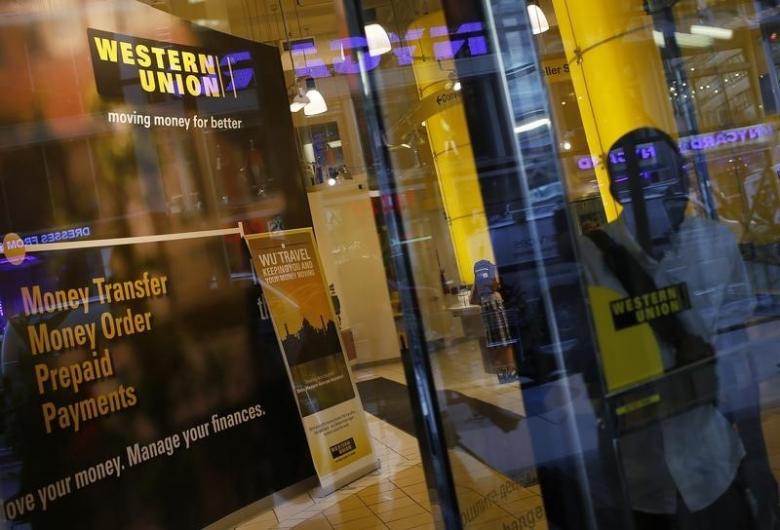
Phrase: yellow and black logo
pixel 124 64
pixel 636 310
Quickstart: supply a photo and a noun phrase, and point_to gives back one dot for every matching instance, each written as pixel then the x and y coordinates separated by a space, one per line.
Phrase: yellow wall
pixel 453 157
pixel 617 74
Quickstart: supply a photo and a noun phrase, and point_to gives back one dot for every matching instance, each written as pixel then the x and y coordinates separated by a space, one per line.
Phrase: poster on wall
pixel 288 267
pixel 141 387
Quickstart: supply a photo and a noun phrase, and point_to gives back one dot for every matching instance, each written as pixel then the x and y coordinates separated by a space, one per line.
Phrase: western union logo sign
pixel 629 312
pixel 124 63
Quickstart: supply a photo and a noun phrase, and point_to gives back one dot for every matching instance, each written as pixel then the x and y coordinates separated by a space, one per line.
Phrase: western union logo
pixel 122 61
pixel 647 307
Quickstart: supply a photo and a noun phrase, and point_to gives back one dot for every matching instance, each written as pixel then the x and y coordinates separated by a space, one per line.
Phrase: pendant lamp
pixel 378 40
pixel 316 103
pixel 307 98
pixel 538 19
pixel 299 102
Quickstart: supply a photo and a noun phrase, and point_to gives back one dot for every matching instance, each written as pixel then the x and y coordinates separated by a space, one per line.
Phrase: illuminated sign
pixel 56 236
pixel 617 157
pixel 468 37
pixel 14 249
pixel 692 144
pixel 709 141
pixel 122 61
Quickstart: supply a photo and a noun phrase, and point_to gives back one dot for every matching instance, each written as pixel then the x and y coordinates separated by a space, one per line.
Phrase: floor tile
pixel 392 505
pixel 262 521
pixel 401 513
pixel 366 523
pixel 414 521
pixel 339 517
pixel 316 523
pixel 372 499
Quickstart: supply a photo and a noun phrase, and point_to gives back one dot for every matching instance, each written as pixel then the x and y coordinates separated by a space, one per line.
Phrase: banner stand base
pixel 323 491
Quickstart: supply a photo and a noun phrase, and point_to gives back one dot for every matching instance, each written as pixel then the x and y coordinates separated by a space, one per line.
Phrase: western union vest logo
pixel 123 63
pixel 628 312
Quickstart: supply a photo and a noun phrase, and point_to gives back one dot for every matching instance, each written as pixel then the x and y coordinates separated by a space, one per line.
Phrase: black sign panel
pixel 127 65
pixel 342 448
pixel 645 308
pixel 143 389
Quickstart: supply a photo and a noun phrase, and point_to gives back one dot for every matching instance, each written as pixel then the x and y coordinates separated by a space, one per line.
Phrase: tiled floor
pixel 395 497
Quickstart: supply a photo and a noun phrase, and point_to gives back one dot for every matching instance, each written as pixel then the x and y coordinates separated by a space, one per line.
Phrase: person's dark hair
pixel 646 135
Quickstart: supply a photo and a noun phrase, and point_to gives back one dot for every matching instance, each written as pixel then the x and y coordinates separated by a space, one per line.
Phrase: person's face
pixel 662 182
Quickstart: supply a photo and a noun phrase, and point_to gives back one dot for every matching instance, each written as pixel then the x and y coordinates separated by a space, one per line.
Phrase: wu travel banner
pixel 288 267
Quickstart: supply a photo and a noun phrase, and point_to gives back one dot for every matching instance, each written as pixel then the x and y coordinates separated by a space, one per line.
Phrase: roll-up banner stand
pixel 288 267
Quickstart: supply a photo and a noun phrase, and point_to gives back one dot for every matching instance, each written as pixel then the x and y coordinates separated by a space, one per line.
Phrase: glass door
pixel 581 201
pixel 501 365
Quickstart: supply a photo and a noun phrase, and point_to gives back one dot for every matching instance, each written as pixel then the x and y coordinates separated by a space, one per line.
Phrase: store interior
pixel 436 169
pixel 446 222
pixel 450 224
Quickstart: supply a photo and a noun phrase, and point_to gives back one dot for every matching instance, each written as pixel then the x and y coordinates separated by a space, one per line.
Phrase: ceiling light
pixel 689 40
pixel 298 103
pixel 378 40
pixel 531 125
pixel 712 31
pixel 454 82
pixel 566 146
pixel 298 93
pixel 331 181
pixel 316 103
pixel 538 19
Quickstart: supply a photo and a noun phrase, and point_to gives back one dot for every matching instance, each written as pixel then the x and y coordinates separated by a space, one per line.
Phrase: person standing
pixel 486 293
pixel 683 467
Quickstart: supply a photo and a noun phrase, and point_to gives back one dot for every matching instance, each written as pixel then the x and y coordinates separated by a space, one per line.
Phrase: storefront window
pixel 411 264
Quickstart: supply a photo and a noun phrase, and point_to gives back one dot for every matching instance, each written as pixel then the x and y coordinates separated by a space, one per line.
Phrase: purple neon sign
pixel 709 141
pixel 234 76
pixel 240 76
pixel 447 45
pixel 691 144
pixel 618 156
